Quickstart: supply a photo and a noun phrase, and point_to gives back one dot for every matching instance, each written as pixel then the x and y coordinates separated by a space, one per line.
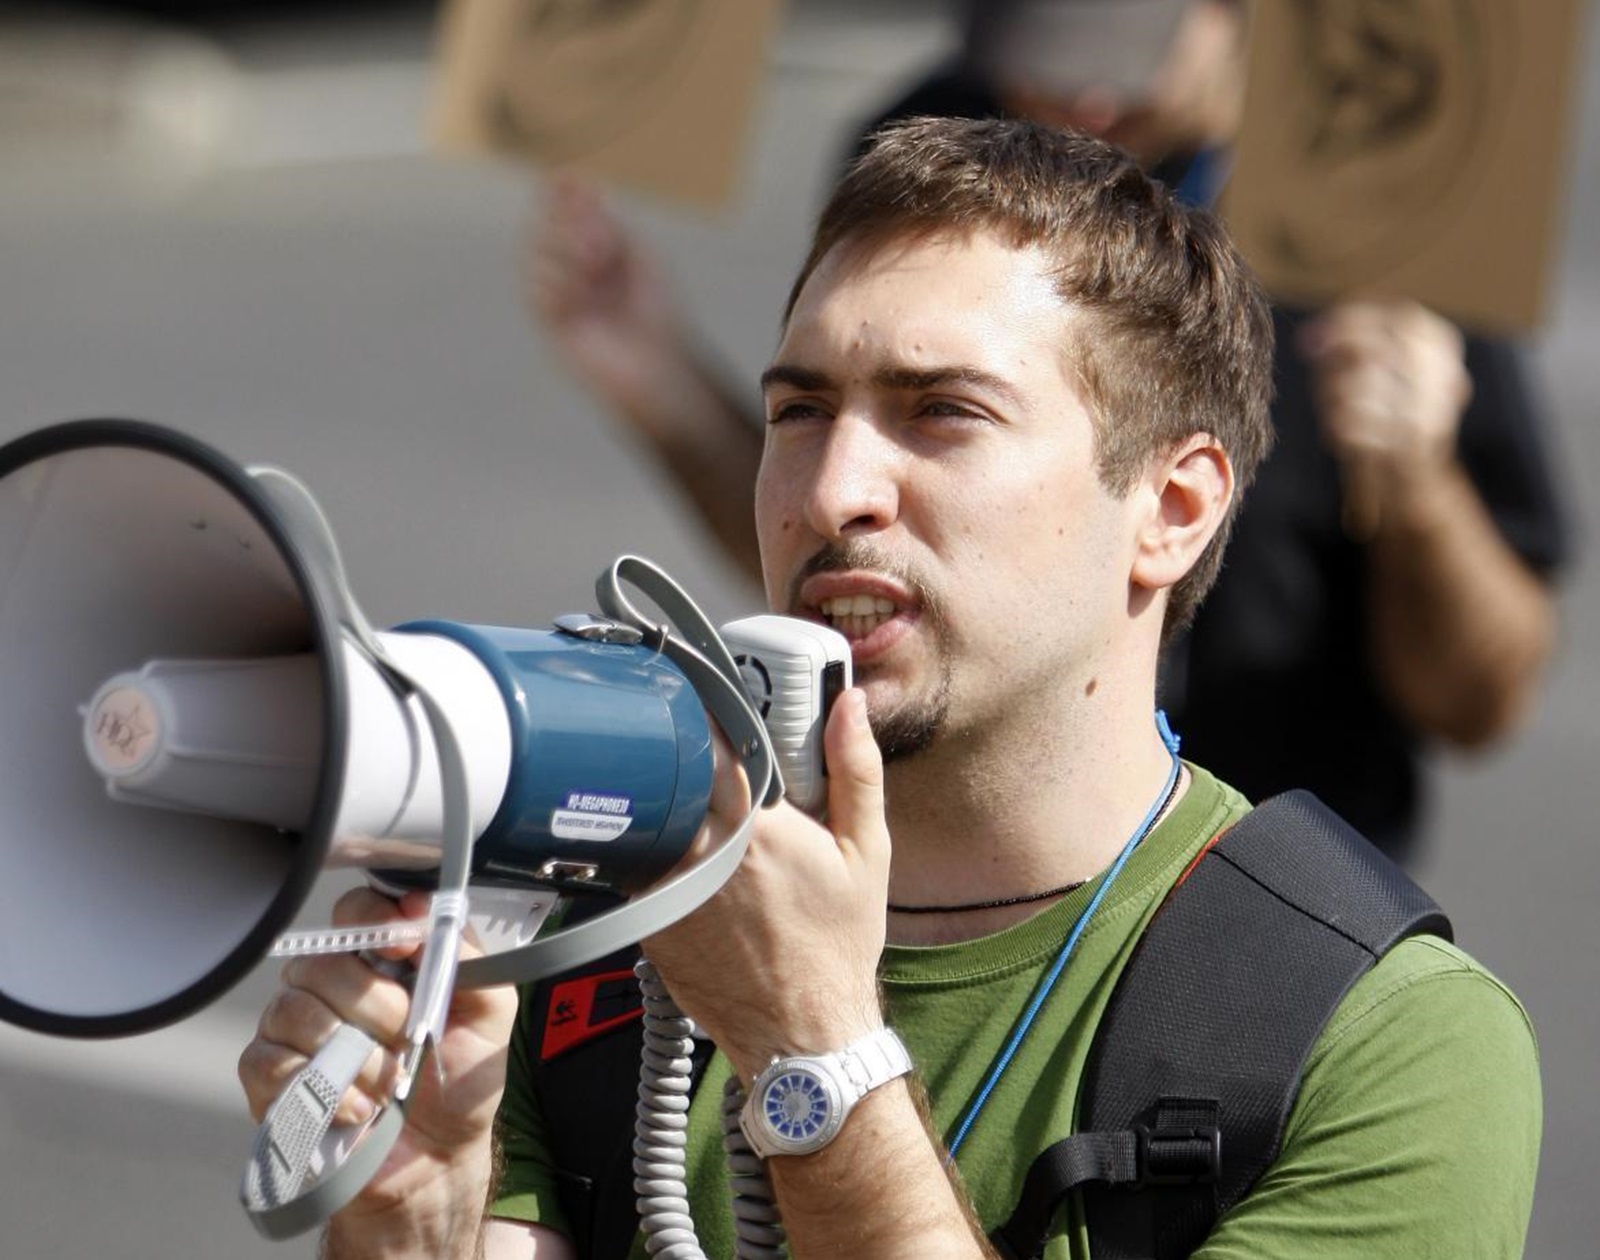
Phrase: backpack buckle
pixel 1178 1155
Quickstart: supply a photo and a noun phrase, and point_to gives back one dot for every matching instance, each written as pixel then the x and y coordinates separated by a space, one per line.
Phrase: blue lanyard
pixel 1036 1002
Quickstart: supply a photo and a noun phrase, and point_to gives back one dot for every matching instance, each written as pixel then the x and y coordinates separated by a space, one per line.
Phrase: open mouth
pixel 856 616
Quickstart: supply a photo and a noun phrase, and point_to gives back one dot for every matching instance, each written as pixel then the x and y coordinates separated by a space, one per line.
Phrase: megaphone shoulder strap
pixel 703 657
pixel 435 980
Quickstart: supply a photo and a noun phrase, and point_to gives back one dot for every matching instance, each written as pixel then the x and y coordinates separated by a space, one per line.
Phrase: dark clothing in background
pixel 1273 686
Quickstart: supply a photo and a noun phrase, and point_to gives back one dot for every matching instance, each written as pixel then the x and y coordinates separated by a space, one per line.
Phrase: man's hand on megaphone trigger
pixel 320 992
pixel 784 957
pixel 317 994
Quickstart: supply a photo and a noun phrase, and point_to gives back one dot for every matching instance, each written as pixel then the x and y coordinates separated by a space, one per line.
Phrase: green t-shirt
pixel 1415 1133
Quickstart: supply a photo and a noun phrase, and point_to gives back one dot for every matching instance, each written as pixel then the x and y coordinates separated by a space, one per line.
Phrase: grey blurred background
pixel 225 218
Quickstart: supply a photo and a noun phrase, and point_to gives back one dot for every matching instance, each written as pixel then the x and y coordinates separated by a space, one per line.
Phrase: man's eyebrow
pixel 899 378
pixel 923 379
pixel 795 376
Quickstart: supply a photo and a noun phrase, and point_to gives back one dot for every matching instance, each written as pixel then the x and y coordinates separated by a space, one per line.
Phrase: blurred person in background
pixel 1388 586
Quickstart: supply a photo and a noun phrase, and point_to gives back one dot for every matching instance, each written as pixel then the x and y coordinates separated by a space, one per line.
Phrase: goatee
pixel 912 728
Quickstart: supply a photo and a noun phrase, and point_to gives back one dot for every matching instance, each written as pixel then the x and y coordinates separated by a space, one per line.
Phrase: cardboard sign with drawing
pixel 1408 148
pixel 655 94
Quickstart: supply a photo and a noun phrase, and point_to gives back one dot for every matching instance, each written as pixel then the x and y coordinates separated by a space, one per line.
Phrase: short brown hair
pixel 1178 337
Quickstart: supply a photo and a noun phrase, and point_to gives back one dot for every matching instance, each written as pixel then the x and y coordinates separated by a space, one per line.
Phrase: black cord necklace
pixel 1025 898
pixel 990 905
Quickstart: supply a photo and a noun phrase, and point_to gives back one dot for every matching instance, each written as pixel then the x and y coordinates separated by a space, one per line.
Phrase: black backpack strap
pixel 584 1048
pixel 1197 1060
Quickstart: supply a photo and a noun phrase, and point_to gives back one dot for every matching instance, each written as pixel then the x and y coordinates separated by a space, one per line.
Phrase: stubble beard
pixel 912 727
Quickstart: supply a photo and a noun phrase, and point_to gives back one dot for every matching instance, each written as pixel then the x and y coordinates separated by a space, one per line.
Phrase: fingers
pixel 1401 341
pixel 1389 378
pixel 855 781
pixel 365 906
pixel 294 1026
pixel 1357 356
pixel 1341 327
pixel 576 251
pixel 319 993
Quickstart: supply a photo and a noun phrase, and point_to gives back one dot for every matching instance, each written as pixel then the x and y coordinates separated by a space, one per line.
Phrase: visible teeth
pixel 855 616
pixel 857 606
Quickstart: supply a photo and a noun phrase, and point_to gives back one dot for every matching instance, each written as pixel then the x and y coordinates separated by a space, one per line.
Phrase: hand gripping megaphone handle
pixel 297 1139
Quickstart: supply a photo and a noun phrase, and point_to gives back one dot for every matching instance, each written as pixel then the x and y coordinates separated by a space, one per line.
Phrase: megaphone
pixel 197 723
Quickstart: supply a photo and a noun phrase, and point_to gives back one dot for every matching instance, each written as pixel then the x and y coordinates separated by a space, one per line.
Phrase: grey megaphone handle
pixel 297 1135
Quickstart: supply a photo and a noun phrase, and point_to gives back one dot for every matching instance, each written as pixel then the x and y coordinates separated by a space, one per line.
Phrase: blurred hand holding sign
pixel 1407 148
pixel 655 94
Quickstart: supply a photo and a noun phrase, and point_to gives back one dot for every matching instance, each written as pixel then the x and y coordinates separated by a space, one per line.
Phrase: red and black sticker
pixel 583 1008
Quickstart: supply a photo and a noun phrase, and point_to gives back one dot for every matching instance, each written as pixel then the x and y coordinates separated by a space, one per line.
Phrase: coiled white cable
pixel 661 1140
pixel 757 1227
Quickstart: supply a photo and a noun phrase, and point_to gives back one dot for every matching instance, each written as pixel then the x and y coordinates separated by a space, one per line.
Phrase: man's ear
pixel 1184 500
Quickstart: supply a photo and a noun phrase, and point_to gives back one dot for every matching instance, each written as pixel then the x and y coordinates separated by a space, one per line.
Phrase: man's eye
pixel 948 409
pixel 796 409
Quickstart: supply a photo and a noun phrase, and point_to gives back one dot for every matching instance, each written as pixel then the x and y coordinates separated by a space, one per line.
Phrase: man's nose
pixel 855 488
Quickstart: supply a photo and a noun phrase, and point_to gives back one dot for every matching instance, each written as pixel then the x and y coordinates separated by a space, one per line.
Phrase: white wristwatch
pixel 798 1104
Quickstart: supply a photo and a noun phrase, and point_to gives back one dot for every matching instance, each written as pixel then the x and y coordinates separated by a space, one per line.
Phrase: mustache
pixel 859 555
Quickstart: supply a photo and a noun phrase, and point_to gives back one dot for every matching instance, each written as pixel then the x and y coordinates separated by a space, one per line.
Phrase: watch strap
pixel 874 1060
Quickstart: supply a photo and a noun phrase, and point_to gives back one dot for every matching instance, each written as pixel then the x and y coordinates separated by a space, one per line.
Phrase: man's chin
pixel 907 716
pixel 904 733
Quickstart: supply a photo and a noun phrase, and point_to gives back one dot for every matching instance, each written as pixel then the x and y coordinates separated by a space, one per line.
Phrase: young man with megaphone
pixel 1018 392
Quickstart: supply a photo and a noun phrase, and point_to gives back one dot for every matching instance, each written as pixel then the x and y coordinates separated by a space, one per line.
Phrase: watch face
pixel 800 1108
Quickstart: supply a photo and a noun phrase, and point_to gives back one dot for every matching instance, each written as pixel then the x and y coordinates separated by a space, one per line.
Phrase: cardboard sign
pixel 655 94
pixel 1407 148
